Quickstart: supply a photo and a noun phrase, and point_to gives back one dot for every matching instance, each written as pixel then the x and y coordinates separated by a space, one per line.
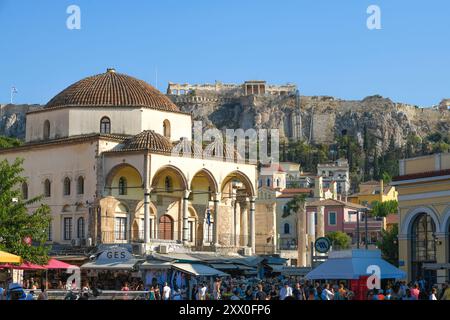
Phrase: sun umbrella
pixel 6 257
pixel 56 264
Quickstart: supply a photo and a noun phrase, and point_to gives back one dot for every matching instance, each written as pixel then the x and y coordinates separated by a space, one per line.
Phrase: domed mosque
pixel 101 154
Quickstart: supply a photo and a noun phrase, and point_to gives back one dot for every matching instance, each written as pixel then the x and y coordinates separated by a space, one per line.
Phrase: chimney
pixel 318 187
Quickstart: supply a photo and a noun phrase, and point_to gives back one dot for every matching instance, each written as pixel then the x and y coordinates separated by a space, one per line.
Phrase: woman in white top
pixel 433 294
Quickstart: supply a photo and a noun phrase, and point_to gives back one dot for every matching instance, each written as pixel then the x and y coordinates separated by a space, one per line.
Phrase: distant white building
pixel 338 171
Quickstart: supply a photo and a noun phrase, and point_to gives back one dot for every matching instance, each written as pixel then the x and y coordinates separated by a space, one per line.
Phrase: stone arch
pixel 413 213
pixel 242 177
pixel 445 225
pixel 113 173
pixel 169 169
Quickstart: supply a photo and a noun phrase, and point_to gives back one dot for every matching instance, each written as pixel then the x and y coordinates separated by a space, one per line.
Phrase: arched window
pixel 268 182
pixel 80 185
pixel 47 188
pixel 66 186
pixel 423 246
pixel 122 186
pixel 25 191
pixel 46 130
pixel 80 228
pixel 165 228
pixel 166 129
pixel 287 228
pixel 105 125
pixel 278 183
pixel 168 184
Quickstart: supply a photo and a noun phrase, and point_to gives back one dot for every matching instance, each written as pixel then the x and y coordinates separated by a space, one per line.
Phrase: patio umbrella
pixel 6 257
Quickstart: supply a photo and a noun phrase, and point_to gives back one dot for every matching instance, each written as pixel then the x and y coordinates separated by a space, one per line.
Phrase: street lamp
pixel 357 227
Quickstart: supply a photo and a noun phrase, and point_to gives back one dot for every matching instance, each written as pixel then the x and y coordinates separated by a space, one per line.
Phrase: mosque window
pixel 47 188
pixel 67 186
pixel 166 129
pixel 122 186
pixel 25 191
pixel 46 130
pixel 168 184
pixel 105 125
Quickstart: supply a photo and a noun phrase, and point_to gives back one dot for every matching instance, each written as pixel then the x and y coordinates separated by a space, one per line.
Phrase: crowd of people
pixel 272 288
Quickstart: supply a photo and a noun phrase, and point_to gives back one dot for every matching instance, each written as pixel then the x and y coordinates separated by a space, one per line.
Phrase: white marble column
pixel 146 200
pixel 185 216
pixel 252 224
pixel 244 221
pixel 320 221
pixel 216 219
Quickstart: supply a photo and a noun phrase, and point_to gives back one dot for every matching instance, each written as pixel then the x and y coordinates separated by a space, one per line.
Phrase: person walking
pixel 298 292
pixel 445 292
pixel 260 294
pixel 216 289
pixel 201 295
pixel 327 294
pixel 166 292
pixel 433 294
pixel 286 291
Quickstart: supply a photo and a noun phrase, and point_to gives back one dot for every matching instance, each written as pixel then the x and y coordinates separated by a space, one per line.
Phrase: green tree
pixel 383 209
pixel 388 244
pixel 16 223
pixel 339 240
pixel 7 142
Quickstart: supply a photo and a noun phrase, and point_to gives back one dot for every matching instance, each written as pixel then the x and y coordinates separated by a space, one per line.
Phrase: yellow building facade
pixel 372 191
pixel 424 206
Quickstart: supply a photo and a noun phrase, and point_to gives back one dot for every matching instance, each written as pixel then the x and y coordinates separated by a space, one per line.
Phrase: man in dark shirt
pixel 298 292
pixel 260 294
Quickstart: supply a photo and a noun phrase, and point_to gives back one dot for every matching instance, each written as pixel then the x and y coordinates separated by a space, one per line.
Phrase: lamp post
pixel 357 227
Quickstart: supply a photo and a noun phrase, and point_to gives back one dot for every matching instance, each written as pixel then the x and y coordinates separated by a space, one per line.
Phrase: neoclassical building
pixel 424 208
pixel 101 154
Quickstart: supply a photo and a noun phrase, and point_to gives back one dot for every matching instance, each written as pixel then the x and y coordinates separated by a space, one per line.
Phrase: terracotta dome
pixel 112 89
pixel 148 140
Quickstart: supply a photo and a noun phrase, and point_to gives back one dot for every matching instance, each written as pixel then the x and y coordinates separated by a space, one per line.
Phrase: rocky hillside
pixel 12 119
pixel 314 119
pixel 319 119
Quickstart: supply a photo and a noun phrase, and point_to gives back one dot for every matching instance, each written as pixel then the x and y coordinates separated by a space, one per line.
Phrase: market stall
pixel 355 266
pixel 111 269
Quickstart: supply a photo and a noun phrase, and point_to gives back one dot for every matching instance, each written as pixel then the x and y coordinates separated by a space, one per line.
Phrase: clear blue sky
pixel 323 46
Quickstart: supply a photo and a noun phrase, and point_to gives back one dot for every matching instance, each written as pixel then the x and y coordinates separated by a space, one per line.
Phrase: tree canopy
pixel 339 239
pixel 16 223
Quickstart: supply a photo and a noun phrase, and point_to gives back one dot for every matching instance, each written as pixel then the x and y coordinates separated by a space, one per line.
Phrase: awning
pixel 56 264
pixel 164 265
pixel 230 266
pixel 122 265
pixel 23 266
pixel 198 270
pixel 354 266
pixel 276 267
pixel 6 257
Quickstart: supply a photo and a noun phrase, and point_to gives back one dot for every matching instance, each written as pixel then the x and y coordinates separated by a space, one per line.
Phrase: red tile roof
pixel 112 89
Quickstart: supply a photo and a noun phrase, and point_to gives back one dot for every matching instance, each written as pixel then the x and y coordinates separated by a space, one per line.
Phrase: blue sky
pixel 323 46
